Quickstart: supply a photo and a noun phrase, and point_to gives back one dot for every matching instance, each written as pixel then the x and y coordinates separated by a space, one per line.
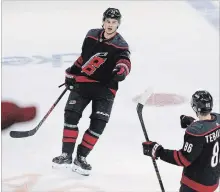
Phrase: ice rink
pixel 174 49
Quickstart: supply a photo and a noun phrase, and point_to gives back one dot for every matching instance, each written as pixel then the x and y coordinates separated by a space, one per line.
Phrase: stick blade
pixel 21 134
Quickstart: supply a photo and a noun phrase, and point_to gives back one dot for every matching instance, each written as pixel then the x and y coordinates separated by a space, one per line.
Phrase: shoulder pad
pixel 201 128
pixel 94 33
pixel 195 128
pixel 218 117
pixel 119 42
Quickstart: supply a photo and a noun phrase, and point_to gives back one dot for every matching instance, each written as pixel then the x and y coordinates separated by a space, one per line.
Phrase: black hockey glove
pixel 69 79
pixel 119 73
pixel 185 121
pixel 152 149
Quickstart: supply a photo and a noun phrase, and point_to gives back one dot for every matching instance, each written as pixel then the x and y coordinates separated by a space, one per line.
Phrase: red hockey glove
pixel 12 113
pixel 119 72
pixel 152 149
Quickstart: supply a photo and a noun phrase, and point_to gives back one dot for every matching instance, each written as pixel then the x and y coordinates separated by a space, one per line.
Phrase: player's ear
pixel 118 24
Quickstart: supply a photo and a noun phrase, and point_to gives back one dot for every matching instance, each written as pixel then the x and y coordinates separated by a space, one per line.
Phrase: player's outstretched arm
pixel 191 149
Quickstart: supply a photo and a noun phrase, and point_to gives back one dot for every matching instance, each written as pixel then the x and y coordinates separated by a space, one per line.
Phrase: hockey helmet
pixel 112 13
pixel 202 101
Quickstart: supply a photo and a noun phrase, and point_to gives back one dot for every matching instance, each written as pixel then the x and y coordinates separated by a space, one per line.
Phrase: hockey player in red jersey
pixel 94 77
pixel 200 154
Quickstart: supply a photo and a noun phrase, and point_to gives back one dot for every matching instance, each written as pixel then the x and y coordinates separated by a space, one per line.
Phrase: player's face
pixel 110 25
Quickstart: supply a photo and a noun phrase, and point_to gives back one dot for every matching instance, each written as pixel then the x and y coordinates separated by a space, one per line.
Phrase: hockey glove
pixel 152 149
pixel 69 79
pixel 11 114
pixel 185 121
pixel 119 73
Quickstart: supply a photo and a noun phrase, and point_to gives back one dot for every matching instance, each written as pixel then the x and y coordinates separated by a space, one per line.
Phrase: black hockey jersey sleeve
pixel 123 59
pixel 192 148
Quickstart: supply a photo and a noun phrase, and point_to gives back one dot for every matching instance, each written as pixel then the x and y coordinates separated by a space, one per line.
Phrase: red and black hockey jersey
pixel 100 56
pixel 200 155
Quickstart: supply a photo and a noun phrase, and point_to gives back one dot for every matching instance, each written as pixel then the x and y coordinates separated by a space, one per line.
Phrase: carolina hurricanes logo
pixel 94 63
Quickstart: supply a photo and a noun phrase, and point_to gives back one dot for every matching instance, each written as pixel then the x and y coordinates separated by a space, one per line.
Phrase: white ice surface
pixel 174 50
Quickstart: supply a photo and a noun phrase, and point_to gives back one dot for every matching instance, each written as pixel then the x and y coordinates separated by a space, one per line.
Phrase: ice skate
pixel 81 166
pixel 64 160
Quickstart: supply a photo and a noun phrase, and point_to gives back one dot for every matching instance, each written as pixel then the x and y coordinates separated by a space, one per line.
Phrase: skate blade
pixel 80 171
pixel 61 166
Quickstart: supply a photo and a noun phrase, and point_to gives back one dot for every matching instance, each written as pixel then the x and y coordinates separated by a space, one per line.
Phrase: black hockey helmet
pixel 112 13
pixel 202 102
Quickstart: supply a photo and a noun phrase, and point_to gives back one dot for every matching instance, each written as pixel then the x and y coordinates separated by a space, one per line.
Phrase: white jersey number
pixel 215 155
pixel 188 147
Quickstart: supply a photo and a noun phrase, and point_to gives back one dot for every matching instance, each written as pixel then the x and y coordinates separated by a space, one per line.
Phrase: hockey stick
pixel 21 134
pixel 141 102
pixel 61 85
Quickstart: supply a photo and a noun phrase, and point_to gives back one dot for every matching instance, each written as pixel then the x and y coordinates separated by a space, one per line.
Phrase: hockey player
pixel 200 154
pixel 104 61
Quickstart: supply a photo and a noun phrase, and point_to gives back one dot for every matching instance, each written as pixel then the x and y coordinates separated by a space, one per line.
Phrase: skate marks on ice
pixel 68 181
pixel 48 183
